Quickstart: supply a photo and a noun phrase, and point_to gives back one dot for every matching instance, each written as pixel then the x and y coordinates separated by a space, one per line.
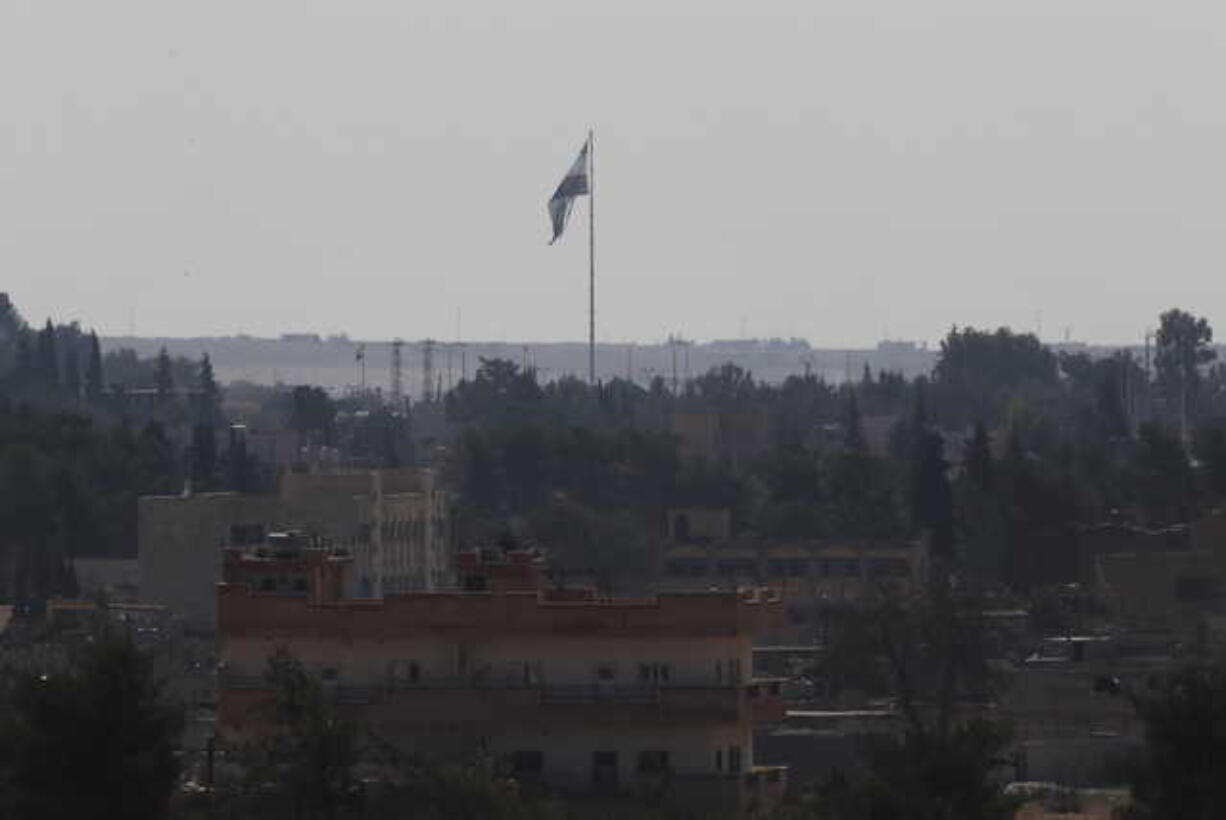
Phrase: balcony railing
pixel 600 693
pixel 669 698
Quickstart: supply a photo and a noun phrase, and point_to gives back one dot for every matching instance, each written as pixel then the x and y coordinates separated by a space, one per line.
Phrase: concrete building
pixel 830 571
pixel 590 696
pixel 394 524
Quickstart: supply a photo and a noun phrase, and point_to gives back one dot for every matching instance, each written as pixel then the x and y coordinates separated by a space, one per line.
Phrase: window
pixel 527 762
pixel 604 771
pixel 734 760
pixel 653 672
pixel 734 671
pixel 528 673
pixel 719 760
pixel 681 527
pixel 653 761
pixel 403 672
pixel 841 567
pixel 687 568
pixel 888 568
pixel 786 568
pixel 742 567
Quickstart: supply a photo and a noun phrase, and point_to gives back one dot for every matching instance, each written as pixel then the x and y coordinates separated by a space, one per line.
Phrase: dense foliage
pixel 94 740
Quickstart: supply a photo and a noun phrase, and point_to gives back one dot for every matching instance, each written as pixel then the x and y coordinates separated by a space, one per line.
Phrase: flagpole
pixel 591 258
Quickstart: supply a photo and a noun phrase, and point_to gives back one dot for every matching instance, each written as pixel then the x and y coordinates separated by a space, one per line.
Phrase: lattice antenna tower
pixel 427 370
pixel 397 374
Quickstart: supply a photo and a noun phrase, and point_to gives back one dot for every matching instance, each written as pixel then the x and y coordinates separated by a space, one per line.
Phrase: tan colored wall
pixel 180 537
pixel 474 614
pixel 568 753
pixel 560 660
pixel 180 541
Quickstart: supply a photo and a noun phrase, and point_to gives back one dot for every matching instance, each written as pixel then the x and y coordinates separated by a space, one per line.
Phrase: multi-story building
pixel 830 571
pixel 587 695
pixel 394 524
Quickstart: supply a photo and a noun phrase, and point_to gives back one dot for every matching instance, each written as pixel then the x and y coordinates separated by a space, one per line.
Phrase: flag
pixel 574 184
pixel 360 355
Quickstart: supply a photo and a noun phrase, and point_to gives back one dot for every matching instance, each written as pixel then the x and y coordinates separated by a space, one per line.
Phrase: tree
pixel 94 384
pixel 209 395
pixel 1211 451
pixel 943 765
pixel 11 325
pixel 24 368
pixel 1183 346
pixel 500 392
pixel 72 370
pixel 312 411
pixel 853 430
pixel 94 741
pixel 46 362
pixel 306 763
pixel 978 372
pixel 932 500
pixel 979 514
pixel 723 386
pixel 978 458
pixel 163 376
pixel 204 456
pixel 1162 481
pixel 1181 773
pixel 155 460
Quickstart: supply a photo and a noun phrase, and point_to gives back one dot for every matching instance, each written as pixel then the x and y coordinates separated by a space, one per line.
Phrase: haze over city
pixel 835 171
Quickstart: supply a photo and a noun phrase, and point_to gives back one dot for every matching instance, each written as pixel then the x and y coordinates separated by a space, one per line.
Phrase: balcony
pixel 766 702
pixel 603 701
pixel 589 693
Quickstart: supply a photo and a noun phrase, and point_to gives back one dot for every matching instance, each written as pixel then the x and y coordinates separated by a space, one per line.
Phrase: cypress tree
pixel 210 396
pixel 93 370
pixel 72 370
pixel 978 458
pixel 46 362
pixel 853 430
pixel 23 368
pixel 203 456
pixel 163 377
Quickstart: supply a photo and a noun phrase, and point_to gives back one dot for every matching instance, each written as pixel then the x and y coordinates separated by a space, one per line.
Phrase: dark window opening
pixel 527 762
pixel 653 761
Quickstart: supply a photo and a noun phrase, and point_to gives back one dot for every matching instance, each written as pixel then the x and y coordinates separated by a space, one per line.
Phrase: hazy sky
pixel 833 169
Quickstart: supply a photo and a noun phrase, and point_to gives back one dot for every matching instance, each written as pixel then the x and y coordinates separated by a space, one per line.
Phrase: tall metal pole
pixel 591 251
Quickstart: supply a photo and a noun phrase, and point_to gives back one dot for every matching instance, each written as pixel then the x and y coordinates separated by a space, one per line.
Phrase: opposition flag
pixel 574 184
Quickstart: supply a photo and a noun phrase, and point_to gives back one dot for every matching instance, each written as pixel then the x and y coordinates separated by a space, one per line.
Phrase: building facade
pixel 589 696
pixel 831 571
pixel 394 524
